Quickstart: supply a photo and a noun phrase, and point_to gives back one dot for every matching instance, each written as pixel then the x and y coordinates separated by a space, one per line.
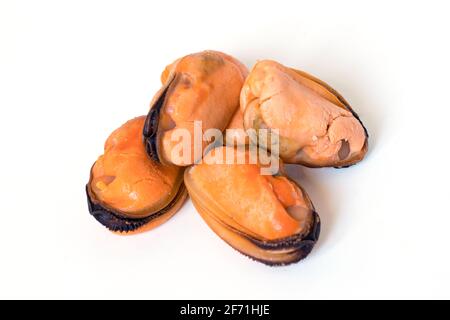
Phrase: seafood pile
pixel 141 180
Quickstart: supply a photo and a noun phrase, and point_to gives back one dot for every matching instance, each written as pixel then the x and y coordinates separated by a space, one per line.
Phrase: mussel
pixel 268 218
pixel 235 133
pixel 316 126
pixel 127 191
pixel 204 87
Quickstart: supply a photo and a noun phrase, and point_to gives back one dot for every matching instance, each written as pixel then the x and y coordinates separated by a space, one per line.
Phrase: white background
pixel 72 71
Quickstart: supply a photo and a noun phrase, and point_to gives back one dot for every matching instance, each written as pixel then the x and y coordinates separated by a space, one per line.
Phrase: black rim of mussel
pixel 151 124
pixel 299 245
pixel 119 223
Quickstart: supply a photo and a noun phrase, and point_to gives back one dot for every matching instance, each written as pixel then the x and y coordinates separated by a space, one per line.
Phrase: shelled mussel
pixel 204 87
pixel 269 218
pixel 317 127
pixel 129 192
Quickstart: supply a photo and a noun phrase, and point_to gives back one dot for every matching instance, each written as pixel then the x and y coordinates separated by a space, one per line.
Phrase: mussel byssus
pixel 269 218
pixel 317 127
pixel 129 192
pixel 204 87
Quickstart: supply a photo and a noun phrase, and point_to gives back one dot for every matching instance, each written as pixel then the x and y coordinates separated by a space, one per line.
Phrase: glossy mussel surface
pixel 269 218
pixel 317 127
pixel 204 87
pixel 128 191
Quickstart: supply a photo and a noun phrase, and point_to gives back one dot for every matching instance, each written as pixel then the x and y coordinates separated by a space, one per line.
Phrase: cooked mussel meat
pixel 204 87
pixel 269 218
pixel 129 192
pixel 316 126
pixel 235 133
